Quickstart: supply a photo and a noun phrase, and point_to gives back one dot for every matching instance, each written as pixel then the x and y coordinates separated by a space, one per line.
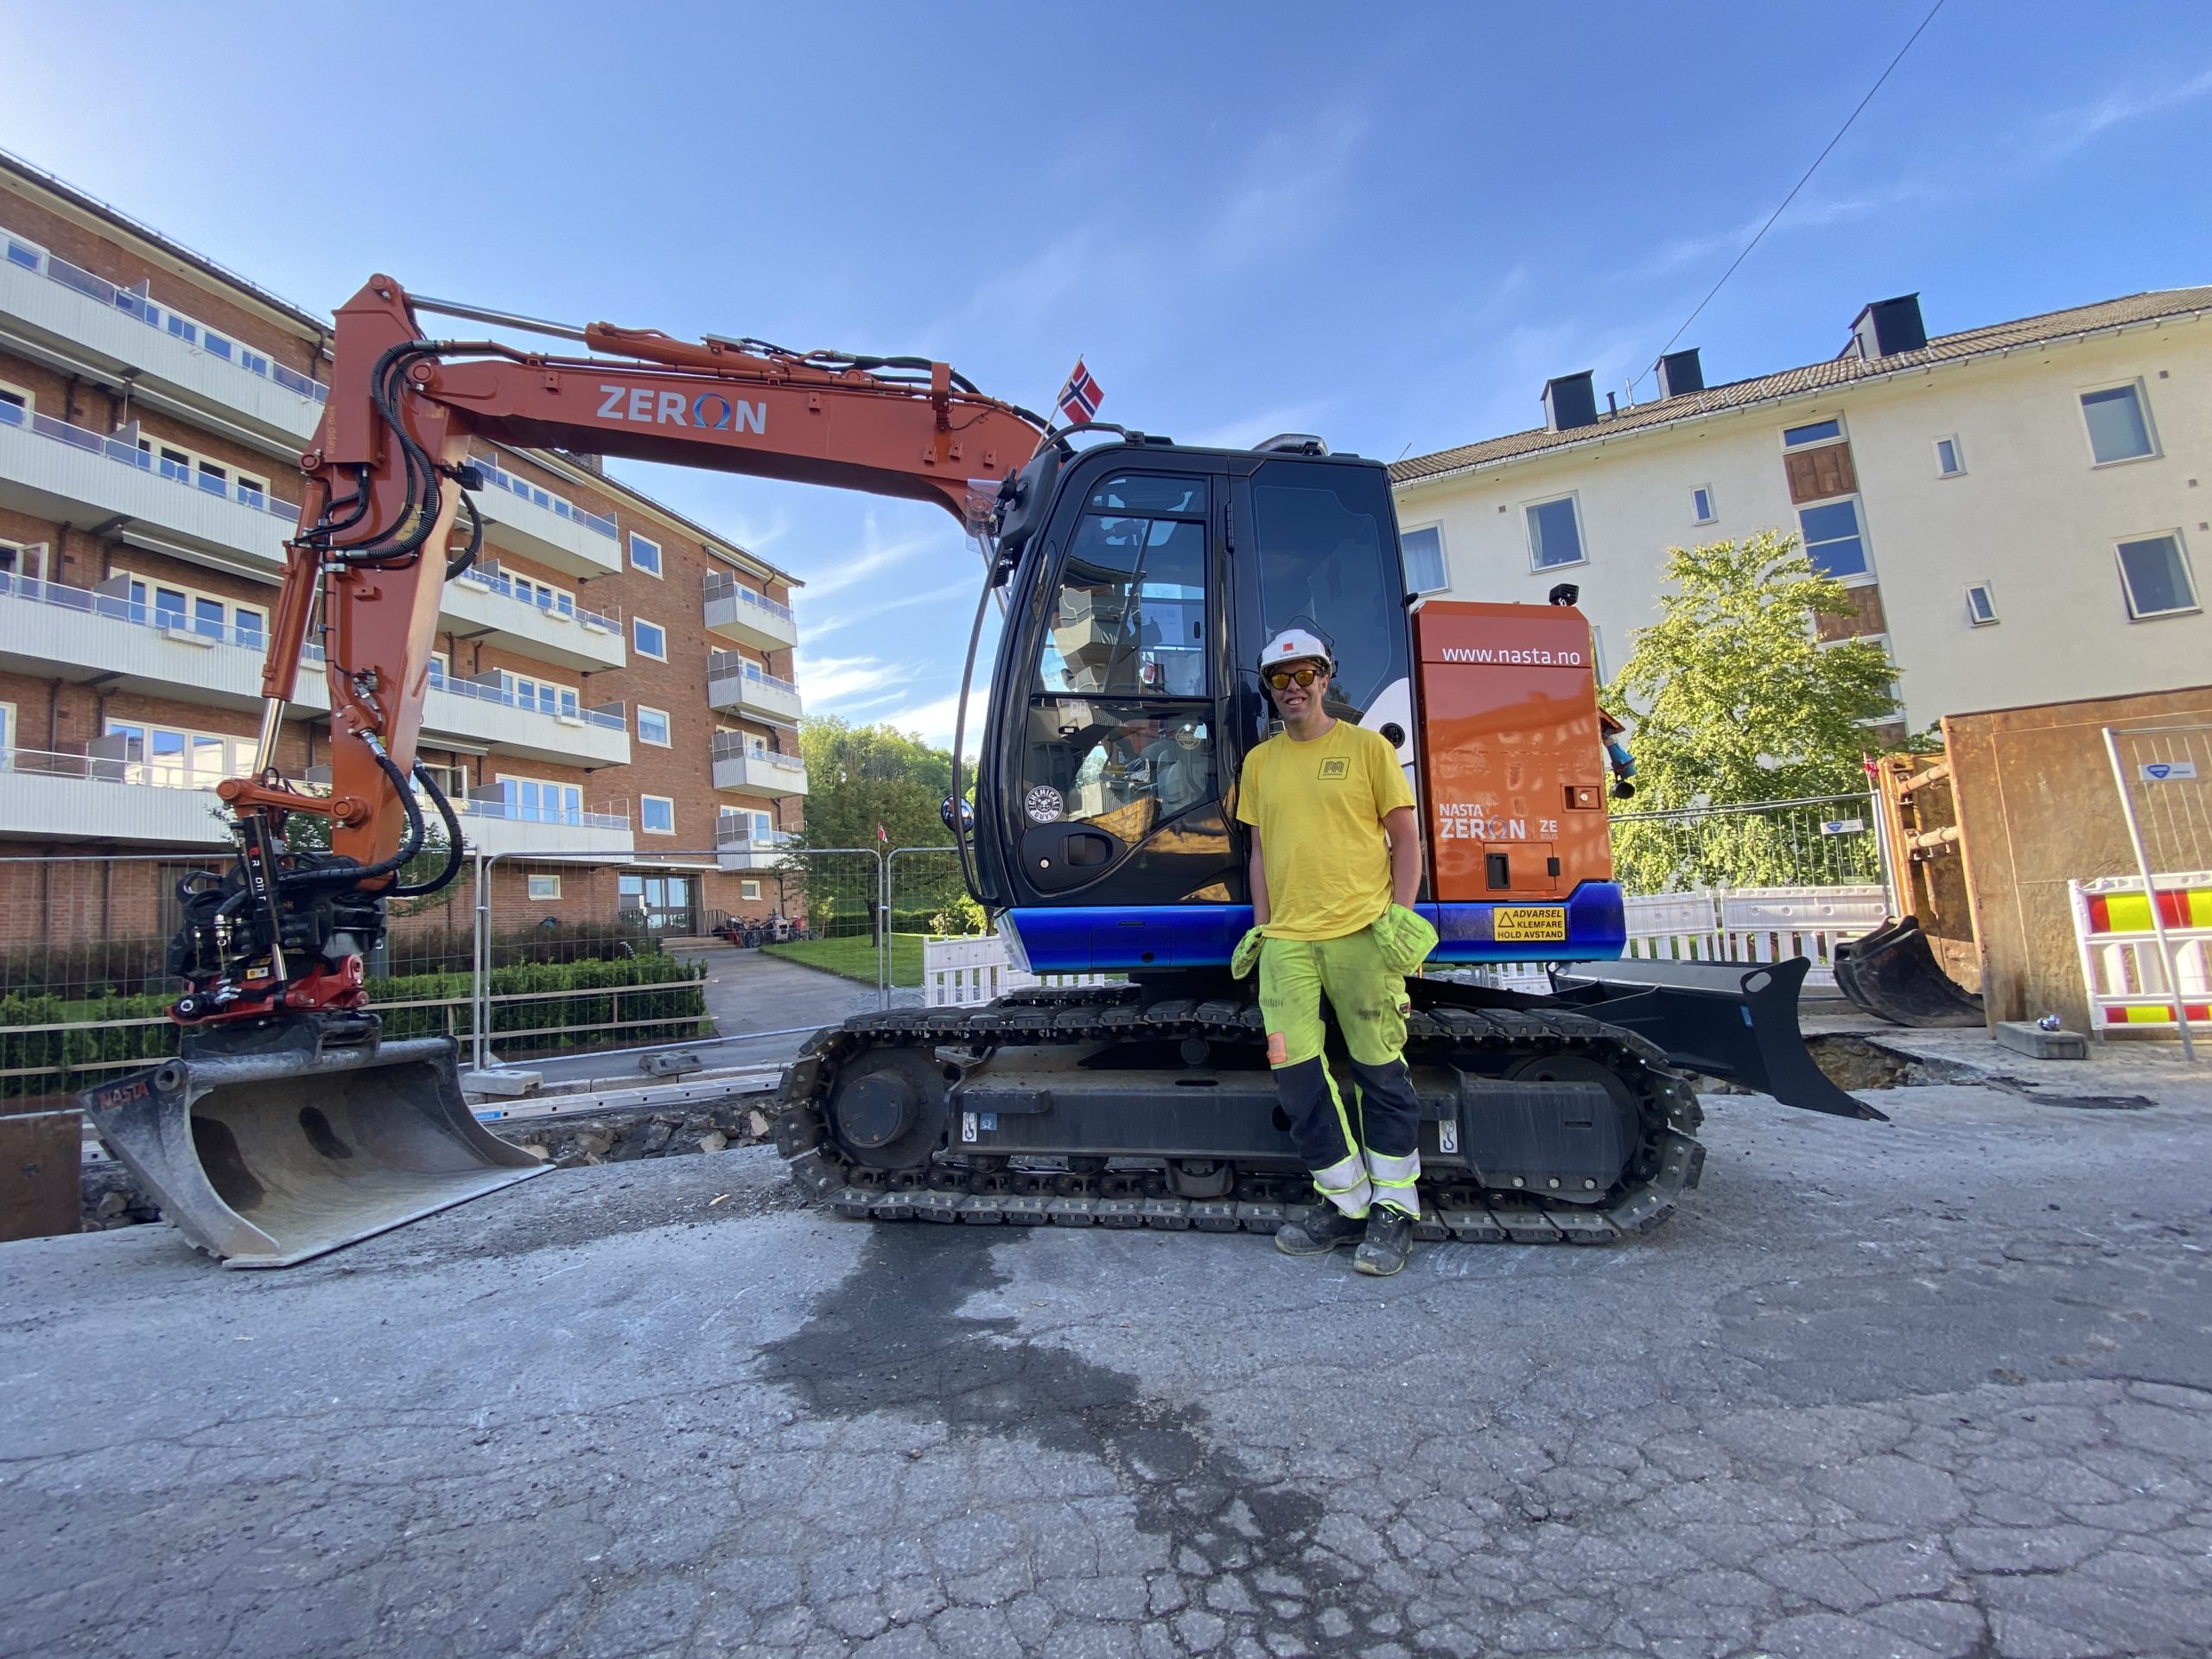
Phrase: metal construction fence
pixel 1825 841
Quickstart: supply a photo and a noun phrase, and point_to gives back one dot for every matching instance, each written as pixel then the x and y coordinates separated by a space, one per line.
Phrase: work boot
pixel 1390 1240
pixel 1324 1230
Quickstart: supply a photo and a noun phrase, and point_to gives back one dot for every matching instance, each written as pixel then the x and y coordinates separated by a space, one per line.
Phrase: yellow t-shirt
pixel 1318 807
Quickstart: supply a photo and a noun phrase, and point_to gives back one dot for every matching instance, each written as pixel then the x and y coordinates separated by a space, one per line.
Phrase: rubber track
pixel 1668 1160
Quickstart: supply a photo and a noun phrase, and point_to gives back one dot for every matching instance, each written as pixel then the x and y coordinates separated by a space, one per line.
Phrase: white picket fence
pixel 1731 924
pixel 964 973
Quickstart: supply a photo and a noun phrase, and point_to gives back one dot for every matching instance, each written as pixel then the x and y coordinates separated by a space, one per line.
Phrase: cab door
pixel 1109 743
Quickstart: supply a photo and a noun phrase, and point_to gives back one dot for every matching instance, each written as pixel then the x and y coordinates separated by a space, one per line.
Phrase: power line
pixel 1795 188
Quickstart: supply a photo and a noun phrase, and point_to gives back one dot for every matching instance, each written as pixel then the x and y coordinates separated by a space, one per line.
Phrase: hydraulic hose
pixel 463 560
pixel 453 847
pixel 354 875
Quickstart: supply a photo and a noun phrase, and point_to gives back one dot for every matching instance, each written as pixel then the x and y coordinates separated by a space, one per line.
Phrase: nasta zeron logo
pixel 709 411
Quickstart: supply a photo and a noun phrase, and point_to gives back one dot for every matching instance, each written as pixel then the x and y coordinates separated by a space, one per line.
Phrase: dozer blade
pixel 1734 1020
pixel 267 1159
pixel 1893 974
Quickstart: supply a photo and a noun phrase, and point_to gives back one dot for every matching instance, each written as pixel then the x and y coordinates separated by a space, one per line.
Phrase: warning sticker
pixel 1518 925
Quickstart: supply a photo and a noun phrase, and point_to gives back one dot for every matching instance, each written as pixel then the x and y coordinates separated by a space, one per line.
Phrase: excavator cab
pixel 1127 691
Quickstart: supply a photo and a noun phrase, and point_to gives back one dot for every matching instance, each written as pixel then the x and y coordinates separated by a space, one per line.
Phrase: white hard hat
pixel 1293 645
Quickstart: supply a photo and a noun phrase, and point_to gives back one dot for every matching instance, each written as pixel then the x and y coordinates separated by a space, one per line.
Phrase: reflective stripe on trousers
pixel 1394 1178
pixel 1344 1183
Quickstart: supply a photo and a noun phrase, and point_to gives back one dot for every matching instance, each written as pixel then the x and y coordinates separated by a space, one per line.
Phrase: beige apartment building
pixel 2020 511
pixel 611 706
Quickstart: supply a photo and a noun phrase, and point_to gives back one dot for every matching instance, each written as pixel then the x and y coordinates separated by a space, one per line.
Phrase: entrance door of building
pixel 669 903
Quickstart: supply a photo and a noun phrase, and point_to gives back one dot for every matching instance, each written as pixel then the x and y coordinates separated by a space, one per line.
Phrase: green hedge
pixel 59 1061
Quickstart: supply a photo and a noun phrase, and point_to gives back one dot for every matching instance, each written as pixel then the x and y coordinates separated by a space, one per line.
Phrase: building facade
pixel 610 707
pixel 2020 511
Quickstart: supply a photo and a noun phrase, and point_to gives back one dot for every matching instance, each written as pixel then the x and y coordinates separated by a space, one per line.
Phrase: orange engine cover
pixel 1512 764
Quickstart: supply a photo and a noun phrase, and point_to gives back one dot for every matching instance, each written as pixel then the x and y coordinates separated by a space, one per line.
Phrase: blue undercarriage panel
pixel 1589 926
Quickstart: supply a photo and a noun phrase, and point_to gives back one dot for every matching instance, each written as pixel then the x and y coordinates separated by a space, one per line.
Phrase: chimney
pixel 1569 401
pixel 1680 372
pixel 1888 326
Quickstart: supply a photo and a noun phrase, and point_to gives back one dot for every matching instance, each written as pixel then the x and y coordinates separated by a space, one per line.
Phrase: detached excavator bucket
pixel 266 1159
pixel 1734 1020
pixel 1893 974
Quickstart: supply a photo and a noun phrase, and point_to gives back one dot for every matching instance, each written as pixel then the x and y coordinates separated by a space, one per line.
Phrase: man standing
pixel 1336 861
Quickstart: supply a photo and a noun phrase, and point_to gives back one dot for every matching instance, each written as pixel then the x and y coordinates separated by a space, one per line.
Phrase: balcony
pixel 53 631
pixel 169 358
pixel 511 831
pixel 483 601
pixel 737 612
pixel 527 519
pixel 737 686
pixel 52 470
pixel 477 712
pixel 80 797
pixel 738 848
pixel 762 772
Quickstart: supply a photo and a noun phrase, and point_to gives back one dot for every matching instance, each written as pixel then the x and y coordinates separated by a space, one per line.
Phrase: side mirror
pixel 959 815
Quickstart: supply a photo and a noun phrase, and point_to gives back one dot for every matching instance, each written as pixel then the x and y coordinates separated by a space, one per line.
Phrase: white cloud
pixel 827 682
pixel 2064 131
pixel 1249 429
pixel 932 720
pixel 819 627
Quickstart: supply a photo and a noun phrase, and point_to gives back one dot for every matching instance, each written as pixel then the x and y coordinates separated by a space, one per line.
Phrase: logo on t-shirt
pixel 1336 766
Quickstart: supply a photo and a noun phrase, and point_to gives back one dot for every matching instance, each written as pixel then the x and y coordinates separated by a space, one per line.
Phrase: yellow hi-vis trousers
pixel 1371 1154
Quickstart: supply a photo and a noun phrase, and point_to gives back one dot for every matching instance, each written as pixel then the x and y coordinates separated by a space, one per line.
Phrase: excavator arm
pixel 387 486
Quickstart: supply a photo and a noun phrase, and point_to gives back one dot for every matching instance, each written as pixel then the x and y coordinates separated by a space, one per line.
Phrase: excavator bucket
pixel 266 1159
pixel 1734 1020
pixel 1893 974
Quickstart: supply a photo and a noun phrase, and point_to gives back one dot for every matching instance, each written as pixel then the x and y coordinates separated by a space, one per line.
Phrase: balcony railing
pixel 129 454
pixel 516 812
pixel 160 318
pixel 552 604
pixel 523 489
pixel 730 746
pixel 98 769
pixel 738 837
pixel 726 587
pixel 729 665
pixel 86 602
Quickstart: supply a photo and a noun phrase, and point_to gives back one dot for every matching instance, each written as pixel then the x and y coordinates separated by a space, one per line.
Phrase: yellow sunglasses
pixel 1283 678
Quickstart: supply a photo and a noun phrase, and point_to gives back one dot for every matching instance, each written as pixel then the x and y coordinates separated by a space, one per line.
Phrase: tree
pixel 1735 699
pixel 859 778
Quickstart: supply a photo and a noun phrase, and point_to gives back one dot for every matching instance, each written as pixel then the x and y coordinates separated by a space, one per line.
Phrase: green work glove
pixel 1247 955
pixel 1404 939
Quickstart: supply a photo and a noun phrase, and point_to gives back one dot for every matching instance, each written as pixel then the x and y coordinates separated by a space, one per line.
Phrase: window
pixel 653 726
pixel 645 553
pixel 1701 511
pixel 1833 539
pixel 545 886
pixel 1554 534
pixel 534 802
pixel 7 731
pixel 249 626
pixel 1949 462
pixel 542 696
pixel 1795 437
pixel 15 403
pixel 1423 552
pixel 1598 652
pixel 1981 605
pixel 658 814
pixel 19 562
pixel 1131 609
pixel 184 758
pixel 2155 574
pixel 545 596
pixel 748 889
pixel 2120 426
pixel 650 638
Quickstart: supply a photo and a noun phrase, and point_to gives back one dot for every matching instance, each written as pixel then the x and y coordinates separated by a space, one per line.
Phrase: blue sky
pixel 1385 224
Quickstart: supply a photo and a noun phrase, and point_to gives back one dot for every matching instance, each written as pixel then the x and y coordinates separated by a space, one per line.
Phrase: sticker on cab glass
pixel 1521 925
pixel 1044 804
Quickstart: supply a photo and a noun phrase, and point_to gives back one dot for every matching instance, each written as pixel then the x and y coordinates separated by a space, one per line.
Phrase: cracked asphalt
pixel 1939 1387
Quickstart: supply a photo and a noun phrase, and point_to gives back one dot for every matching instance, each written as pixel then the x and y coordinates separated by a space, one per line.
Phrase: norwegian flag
pixel 1080 397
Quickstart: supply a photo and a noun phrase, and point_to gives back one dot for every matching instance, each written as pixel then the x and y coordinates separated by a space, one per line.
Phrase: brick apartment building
pixel 611 706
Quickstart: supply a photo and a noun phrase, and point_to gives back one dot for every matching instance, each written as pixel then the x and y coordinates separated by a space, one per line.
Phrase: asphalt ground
pixel 1942 1386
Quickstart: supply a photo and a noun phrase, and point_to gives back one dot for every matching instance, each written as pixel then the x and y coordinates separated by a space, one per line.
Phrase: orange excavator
pixel 1139 578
